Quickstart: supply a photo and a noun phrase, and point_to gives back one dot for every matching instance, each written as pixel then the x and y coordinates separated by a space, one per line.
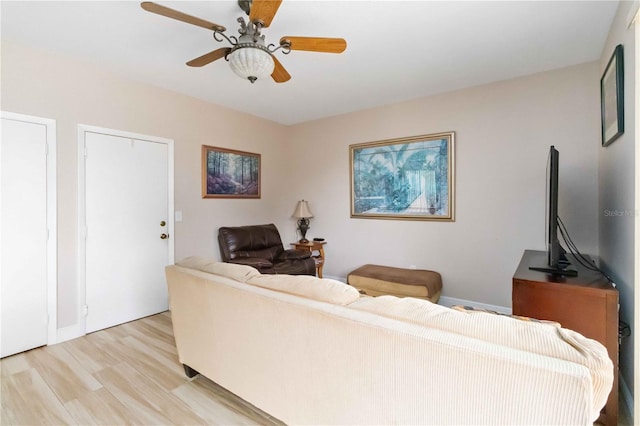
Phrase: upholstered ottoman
pixel 376 280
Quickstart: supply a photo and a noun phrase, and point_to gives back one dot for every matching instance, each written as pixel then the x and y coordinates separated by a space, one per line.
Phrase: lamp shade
pixel 302 210
pixel 251 63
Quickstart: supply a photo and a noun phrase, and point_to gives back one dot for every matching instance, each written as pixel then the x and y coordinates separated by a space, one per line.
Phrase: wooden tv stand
pixel 587 303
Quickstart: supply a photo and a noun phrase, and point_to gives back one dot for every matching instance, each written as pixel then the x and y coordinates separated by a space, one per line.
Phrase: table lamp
pixel 303 213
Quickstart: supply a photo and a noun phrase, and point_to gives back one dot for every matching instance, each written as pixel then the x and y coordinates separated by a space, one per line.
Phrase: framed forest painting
pixel 408 178
pixel 230 174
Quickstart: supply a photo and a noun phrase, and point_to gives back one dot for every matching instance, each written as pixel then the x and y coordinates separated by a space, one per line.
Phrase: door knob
pixel 164 236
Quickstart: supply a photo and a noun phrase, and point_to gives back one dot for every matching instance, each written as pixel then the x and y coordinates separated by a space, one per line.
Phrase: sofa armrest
pixel 256 262
pixel 294 254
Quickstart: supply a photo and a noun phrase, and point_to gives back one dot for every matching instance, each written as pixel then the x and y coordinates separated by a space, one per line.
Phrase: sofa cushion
pixel 230 270
pixel 542 338
pixel 321 289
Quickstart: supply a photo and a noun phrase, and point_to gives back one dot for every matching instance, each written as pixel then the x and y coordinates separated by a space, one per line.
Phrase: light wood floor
pixel 127 374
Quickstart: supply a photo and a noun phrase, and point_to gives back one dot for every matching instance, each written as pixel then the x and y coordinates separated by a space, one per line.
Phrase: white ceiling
pixel 397 50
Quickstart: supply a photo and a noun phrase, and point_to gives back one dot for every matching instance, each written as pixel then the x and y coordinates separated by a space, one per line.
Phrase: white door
pixel 27 231
pixel 128 228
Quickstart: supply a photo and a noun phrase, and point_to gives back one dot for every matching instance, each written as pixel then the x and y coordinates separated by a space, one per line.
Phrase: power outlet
pixel 412 266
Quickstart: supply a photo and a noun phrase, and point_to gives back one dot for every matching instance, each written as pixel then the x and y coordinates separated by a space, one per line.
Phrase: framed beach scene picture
pixel 408 178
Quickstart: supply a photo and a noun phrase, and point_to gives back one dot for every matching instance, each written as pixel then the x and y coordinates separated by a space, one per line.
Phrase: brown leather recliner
pixel 260 246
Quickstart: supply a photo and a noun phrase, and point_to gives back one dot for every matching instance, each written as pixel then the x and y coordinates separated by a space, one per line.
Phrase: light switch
pixel 178 216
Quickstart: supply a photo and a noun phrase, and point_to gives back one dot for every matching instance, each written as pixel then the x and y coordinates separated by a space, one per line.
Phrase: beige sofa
pixel 312 351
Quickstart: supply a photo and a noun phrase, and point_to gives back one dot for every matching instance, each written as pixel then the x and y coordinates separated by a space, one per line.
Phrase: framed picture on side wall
pixel 408 178
pixel 612 98
pixel 230 174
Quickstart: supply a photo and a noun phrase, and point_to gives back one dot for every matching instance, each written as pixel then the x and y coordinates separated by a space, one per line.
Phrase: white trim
pixel 341 279
pixel 633 13
pixel 81 242
pixel 70 332
pixel 80 329
pixel 52 218
pixel 52 226
pixel 170 199
pixel 451 301
pixel 635 405
pixel 627 397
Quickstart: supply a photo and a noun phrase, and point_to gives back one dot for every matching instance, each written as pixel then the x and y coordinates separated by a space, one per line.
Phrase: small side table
pixel 313 246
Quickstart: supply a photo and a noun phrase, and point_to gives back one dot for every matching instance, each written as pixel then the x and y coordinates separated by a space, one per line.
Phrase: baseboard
pixel 68 333
pixel 450 301
pixel 627 397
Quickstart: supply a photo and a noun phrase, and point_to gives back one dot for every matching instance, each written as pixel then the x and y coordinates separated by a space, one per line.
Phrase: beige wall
pixel 72 92
pixel 616 184
pixel 503 134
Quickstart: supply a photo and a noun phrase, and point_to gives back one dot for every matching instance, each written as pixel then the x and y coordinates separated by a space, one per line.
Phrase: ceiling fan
pixel 249 56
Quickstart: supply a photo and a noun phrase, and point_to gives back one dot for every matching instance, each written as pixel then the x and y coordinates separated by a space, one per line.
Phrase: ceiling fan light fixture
pixel 251 62
pixel 248 54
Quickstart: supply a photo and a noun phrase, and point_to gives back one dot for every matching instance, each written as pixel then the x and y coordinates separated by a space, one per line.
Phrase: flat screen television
pixel 557 262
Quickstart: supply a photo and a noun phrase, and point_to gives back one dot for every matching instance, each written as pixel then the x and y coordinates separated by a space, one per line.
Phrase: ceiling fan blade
pixel 207 58
pixel 279 74
pixel 264 10
pixel 316 44
pixel 174 14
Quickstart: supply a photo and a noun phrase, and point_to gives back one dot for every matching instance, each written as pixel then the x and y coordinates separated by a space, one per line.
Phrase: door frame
pixel 634 403
pixel 82 219
pixel 52 218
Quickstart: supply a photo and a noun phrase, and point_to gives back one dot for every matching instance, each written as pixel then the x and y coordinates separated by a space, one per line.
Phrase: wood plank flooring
pixel 128 374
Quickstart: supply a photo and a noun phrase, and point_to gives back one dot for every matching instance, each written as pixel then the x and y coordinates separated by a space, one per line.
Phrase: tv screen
pixel 557 262
pixel 553 245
